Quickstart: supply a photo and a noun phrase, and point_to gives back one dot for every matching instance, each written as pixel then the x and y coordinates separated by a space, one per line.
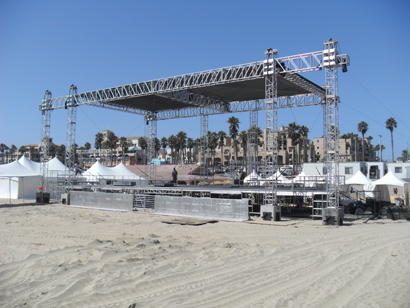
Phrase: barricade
pixel 101 201
pixel 224 209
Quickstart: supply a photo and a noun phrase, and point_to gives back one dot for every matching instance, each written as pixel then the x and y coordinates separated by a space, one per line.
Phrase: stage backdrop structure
pixel 264 85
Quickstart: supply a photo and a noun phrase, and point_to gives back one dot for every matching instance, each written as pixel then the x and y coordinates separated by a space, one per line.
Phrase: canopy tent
pixel 35 167
pixel 308 181
pixel 360 182
pixel 120 172
pixel 279 178
pixel 390 187
pixel 18 181
pixel 253 179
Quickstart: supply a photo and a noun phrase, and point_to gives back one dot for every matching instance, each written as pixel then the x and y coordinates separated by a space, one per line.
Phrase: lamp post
pixel 380 148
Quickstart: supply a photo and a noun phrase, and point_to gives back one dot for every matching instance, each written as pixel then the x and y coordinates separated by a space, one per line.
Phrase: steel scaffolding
pixel 204 147
pixel 331 122
pixel 270 72
pixel 152 135
pixel 192 95
pixel 70 149
pixel 253 142
pixel 45 108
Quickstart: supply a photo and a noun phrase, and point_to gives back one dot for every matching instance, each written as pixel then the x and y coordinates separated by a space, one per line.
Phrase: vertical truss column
pixel 252 155
pixel 152 135
pixel 269 71
pixel 45 108
pixel 70 149
pixel 204 146
pixel 331 122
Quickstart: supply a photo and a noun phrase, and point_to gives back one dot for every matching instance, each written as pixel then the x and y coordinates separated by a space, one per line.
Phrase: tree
pixel 3 148
pixel 212 144
pixel 99 138
pixel 22 150
pixel 304 132
pixel 13 150
pixel 295 137
pixel 404 156
pixel 221 137
pixel 243 137
pixel 87 146
pixel 362 127
pixel 143 145
pixel 172 142
pixel 112 142
pixel 190 146
pixel 233 132
pixel 391 124
pixel 157 145
pixel 124 146
pixel 164 144
pixel 181 137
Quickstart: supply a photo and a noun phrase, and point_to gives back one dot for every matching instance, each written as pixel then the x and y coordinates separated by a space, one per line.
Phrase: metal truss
pixel 271 88
pixel 45 139
pixel 253 142
pixel 203 171
pixel 331 123
pixel 152 135
pixel 70 149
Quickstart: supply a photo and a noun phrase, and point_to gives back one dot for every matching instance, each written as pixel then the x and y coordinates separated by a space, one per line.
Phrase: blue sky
pixel 99 44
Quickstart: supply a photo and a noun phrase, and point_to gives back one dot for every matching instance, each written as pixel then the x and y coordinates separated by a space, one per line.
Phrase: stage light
pixel 344 68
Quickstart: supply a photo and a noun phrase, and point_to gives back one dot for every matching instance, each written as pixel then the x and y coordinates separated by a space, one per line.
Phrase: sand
pixel 57 256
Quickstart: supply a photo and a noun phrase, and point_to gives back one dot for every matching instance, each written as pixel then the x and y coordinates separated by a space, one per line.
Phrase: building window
pixel 317 148
pixel 348 170
pixel 317 141
pixel 397 170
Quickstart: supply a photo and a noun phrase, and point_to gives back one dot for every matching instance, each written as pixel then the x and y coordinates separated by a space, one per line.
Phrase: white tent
pixel 392 187
pixel 279 178
pixel 118 173
pixel 35 167
pixel 18 181
pixel 253 179
pixel 303 178
pixel 360 182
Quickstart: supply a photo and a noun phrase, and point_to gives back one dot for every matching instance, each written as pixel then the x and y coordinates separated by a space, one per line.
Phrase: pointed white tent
pixel 303 178
pixel 279 178
pixel 253 179
pixel 35 167
pixel 359 179
pixel 391 187
pixel 56 164
pixel 18 181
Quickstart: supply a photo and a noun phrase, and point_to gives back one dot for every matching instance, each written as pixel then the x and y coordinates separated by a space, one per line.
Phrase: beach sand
pixel 57 256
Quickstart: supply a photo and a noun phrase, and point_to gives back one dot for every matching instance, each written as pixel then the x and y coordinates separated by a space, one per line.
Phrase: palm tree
pixel 22 150
pixel 221 137
pixel 143 145
pixel 243 141
pixel 304 132
pixel 164 144
pixel 112 142
pixel 233 132
pixel 391 124
pixel 157 145
pixel 212 144
pixel 12 150
pixel 99 138
pixel 3 148
pixel 362 127
pixel 294 135
pixel 190 146
pixel 172 142
pixel 405 155
pixel 181 137
pixel 124 146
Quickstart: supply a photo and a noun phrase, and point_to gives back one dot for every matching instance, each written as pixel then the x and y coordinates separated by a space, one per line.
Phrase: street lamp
pixel 380 149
